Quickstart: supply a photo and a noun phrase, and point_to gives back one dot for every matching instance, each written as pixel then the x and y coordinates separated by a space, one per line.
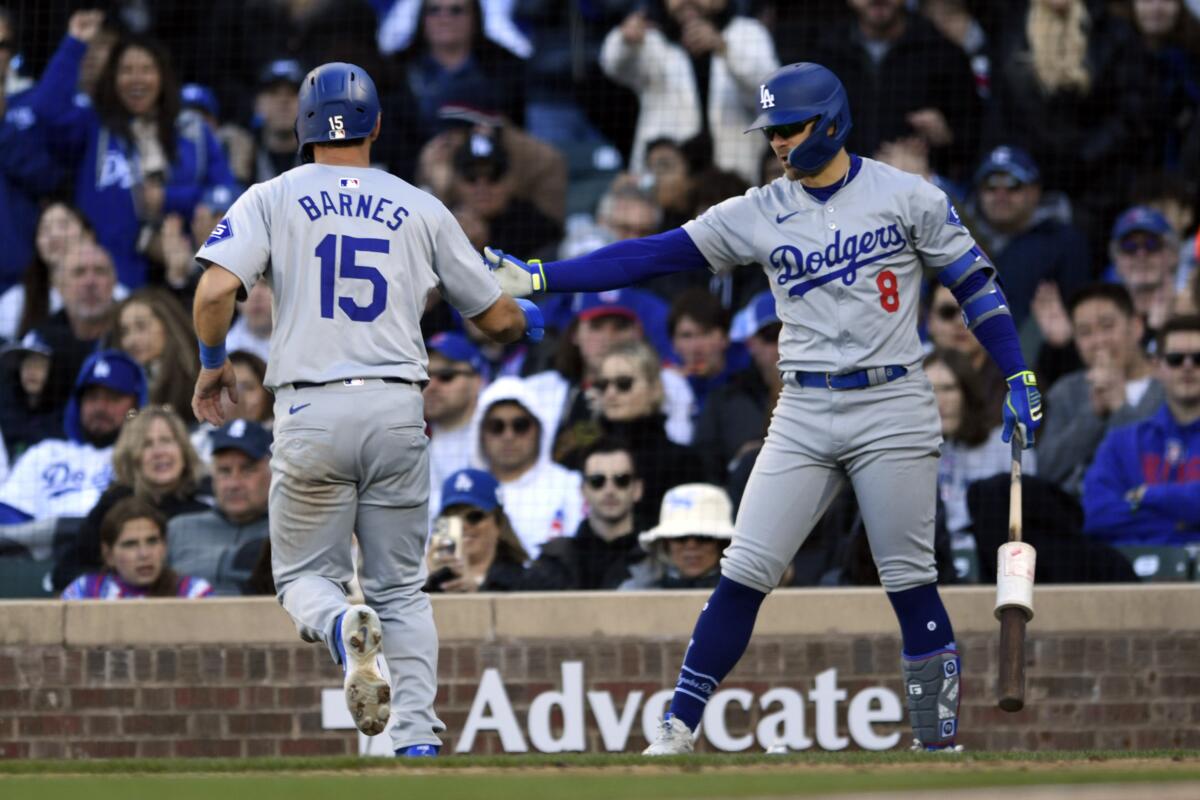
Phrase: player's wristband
pixel 211 356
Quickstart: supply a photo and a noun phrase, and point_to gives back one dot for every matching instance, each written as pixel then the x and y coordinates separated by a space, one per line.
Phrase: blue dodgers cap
pixel 1140 218
pixel 244 435
pixel 281 70
pixel 470 487
pixel 1011 161
pixel 589 305
pixel 457 347
pixel 112 369
pixel 196 95
pixel 219 198
pixel 756 315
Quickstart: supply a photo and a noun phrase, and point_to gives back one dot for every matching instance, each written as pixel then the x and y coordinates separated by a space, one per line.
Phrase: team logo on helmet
pixel 765 98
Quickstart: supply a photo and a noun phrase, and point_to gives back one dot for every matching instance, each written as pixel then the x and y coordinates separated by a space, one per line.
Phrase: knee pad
pixel 931 684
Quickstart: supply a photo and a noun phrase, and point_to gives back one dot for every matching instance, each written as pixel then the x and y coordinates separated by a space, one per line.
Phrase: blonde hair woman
pixel 1058 44
pixel 153 460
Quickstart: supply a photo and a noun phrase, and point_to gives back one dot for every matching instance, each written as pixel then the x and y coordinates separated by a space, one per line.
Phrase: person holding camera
pixel 474 547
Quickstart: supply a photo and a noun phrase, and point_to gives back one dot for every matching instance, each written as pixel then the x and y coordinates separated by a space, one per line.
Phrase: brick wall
pixel 1119 681
pixel 1107 691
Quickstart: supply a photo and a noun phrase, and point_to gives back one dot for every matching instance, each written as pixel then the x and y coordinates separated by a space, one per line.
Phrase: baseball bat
pixel 1013 618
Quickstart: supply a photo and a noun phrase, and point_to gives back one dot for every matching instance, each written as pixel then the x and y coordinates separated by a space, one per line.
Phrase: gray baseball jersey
pixel 846 274
pixel 351 254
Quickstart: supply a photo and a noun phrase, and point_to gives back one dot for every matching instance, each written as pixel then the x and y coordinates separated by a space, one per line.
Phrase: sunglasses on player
pixel 598 481
pixel 786 131
pixel 496 427
pixel 1175 359
pixel 622 383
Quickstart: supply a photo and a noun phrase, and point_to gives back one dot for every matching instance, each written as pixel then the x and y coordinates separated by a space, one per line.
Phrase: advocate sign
pixel 794 719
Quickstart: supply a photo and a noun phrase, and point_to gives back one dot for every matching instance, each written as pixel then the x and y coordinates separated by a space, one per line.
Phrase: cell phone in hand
pixel 446 542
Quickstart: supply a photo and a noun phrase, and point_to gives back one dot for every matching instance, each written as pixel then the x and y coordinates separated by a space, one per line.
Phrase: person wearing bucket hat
pixel 65 477
pixel 693 530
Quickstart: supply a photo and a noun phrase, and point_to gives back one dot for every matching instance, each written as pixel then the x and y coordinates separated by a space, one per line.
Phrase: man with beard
pixel 65 477
pixel 844 240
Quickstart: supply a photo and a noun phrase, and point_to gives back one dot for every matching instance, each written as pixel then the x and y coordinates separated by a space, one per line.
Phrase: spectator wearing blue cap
pixel 1040 257
pixel 457 371
pixel 153 460
pixel 1145 258
pixel 223 544
pixel 488 556
pixel 26 416
pixel 65 477
pixel 734 419
pixel 275 107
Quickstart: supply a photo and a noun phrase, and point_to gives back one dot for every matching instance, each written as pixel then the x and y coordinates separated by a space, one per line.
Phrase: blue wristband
pixel 212 357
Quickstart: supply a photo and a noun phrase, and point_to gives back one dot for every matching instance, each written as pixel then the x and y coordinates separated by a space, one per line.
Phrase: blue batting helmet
pixel 337 101
pixel 798 93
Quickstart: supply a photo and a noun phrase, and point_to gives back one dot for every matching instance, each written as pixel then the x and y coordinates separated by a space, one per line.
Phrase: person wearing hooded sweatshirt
pixel 65 477
pixel 542 499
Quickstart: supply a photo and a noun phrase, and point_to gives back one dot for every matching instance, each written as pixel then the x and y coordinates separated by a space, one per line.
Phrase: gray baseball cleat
pixel 674 738
pixel 368 695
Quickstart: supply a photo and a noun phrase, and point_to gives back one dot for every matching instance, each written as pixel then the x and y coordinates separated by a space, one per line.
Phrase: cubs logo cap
pixel 1140 219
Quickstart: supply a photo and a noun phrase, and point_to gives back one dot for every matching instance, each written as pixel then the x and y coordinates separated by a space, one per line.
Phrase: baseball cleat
pixel 918 747
pixel 674 738
pixel 419 751
pixel 368 695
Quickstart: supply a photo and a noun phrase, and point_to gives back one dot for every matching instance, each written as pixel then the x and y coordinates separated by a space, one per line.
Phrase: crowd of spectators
pixel 614 454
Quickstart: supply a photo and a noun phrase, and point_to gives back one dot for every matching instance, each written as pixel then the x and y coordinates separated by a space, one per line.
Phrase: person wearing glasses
pixel 605 546
pixel 948 332
pixel 694 528
pixel 457 371
pixel 1144 486
pixel 1035 249
pixel 1115 387
pixel 489 557
pixel 1145 257
pixel 541 498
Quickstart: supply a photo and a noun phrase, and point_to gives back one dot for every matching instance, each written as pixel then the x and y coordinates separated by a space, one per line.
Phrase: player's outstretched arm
pixel 212 312
pixel 611 267
pixel 507 319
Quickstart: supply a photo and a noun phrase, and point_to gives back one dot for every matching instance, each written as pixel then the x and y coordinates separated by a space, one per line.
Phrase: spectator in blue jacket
pixel 136 156
pixel 26 171
pixel 1144 486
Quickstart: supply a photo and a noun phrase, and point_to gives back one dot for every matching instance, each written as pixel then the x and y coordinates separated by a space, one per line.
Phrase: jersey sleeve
pixel 939 236
pixel 725 233
pixel 241 241
pixel 463 277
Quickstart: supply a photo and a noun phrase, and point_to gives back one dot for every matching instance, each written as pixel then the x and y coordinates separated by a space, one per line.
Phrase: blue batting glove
pixel 535 324
pixel 1022 408
pixel 516 277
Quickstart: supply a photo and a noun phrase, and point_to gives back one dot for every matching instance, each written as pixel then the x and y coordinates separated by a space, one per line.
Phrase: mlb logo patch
pixel 223 231
pixel 348 183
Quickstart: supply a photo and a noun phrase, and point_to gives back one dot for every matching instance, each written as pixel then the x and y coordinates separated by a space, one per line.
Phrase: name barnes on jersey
pixel 364 205
pixel 858 249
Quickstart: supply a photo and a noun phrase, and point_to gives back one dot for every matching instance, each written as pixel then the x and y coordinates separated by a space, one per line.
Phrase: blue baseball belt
pixel 859 379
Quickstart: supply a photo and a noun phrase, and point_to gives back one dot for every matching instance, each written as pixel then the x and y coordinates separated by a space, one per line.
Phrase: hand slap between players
pixel 206 400
pixel 1022 408
pixel 516 277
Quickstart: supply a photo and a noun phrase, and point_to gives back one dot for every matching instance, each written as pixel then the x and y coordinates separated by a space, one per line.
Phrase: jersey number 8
pixel 889 291
pixel 351 270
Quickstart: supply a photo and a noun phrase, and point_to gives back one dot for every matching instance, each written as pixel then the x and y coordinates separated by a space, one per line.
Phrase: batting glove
pixel 535 325
pixel 516 277
pixel 1022 408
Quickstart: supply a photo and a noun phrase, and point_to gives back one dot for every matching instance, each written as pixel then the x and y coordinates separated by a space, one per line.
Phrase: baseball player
pixel 350 253
pixel 843 241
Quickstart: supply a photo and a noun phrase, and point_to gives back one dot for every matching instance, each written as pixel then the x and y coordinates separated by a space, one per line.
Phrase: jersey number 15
pixel 350 270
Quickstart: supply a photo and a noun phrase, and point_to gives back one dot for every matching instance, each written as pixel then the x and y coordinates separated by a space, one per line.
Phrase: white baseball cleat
pixel 674 738
pixel 917 747
pixel 368 695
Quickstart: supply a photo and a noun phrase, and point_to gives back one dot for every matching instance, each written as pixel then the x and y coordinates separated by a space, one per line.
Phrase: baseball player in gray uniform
pixel 844 241
pixel 351 254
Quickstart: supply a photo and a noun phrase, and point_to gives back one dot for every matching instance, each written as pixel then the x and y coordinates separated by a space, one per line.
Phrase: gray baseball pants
pixel 353 459
pixel 884 439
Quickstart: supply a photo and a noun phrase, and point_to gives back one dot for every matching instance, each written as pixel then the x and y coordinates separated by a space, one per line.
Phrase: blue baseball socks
pixel 718 642
pixel 930 664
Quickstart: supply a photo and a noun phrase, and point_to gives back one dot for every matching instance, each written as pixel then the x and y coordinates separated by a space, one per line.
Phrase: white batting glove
pixel 516 277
